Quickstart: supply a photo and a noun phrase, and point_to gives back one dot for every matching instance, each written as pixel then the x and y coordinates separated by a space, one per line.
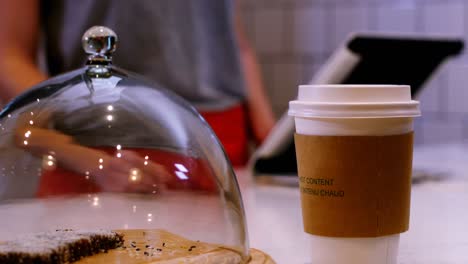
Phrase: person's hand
pixel 126 171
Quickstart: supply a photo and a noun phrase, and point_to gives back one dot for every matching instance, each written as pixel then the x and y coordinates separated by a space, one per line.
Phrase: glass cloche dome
pixel 102 158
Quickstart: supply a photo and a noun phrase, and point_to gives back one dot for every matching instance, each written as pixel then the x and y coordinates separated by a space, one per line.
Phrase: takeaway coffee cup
pixel 354 155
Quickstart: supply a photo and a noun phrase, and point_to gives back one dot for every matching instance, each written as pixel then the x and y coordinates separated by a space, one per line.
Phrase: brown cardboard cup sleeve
pixel 355 186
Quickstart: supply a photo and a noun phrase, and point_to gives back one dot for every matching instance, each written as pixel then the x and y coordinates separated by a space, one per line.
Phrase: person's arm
pixel 260 113
pixel 19 33
pixel 111 173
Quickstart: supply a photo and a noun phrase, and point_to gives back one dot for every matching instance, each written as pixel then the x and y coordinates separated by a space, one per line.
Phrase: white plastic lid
pixel 354 101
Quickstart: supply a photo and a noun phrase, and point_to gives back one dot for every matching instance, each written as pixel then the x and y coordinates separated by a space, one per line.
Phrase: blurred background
pixel 293 38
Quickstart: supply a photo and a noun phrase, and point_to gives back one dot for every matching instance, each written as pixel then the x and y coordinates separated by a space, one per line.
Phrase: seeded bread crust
pixel 57 247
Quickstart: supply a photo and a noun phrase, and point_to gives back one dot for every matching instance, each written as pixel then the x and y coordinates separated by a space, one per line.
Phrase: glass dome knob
pixel 100 43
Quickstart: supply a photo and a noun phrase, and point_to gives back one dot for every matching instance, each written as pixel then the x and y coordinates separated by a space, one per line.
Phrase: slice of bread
pixel 59 246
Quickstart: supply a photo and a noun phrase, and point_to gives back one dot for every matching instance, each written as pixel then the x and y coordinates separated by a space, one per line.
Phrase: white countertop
pixel 439 212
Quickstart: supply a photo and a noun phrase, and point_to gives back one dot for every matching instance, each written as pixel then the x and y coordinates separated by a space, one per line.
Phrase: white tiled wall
pixel 294 37
pixel 348 19
pixel 457 80
pixel 396 19
pixel 309 29
pixel 444 18
pixel 269 28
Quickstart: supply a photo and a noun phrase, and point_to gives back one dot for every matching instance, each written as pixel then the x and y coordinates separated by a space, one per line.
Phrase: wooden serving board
pixel 162 247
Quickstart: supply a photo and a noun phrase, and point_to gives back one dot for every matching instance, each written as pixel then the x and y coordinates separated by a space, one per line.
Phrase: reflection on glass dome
pixel 101 149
